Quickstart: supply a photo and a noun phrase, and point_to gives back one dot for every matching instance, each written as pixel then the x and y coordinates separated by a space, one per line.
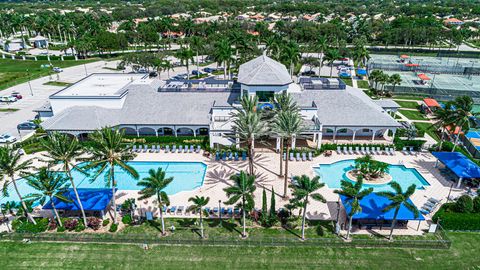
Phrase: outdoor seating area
pixel 185 211
pixel 166 149
pixel 299 156
pixel 229 155
pixel 366 150
pixel 430 206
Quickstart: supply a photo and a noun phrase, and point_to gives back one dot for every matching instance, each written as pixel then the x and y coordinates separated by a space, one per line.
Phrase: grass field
pixel 13 72
pixel 363 84
pixel 8 109
pixel 408 97
pixel 57 83
pixel 429 129
pixel 407 104
pixel 413 115
pixel 15 255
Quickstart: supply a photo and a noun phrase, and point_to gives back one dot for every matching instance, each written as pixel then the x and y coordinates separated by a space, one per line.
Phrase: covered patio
pixel 460 165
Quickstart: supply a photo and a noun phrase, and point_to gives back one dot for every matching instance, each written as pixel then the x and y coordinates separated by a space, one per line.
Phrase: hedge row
pixel 451 220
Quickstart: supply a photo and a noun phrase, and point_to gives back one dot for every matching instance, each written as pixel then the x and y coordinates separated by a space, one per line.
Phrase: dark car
pixel 27 126
pixel 208 70
pixel 17 95
pixel 308 73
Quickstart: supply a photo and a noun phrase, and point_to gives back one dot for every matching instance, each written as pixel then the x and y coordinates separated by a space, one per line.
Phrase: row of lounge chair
pixel 365 150
pixel 299 156
pixel 182 210
pixel 429 206
pixel 230 156
pixel 409 151
pixel 174 149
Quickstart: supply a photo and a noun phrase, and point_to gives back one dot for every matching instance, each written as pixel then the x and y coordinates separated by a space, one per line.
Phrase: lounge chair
pixel 185 149
pixel 145 148
pixel 172 210
pixel 174 148
pixel 310 156
pixel 207 210
pixel 291 157
pixel 235 156
pixel 362 151
pixel 379 151
pixel 230 211
pixel 412 151
pixel 224 156
pixel 153 149
pixel 345 150
pixel 192 149
pixel 339 150
pixel 217 156
pixel 244 156
pixel 230 156
pixel 434 200
pixel 149 216
pixel 350 150
pixel 298 156
pixel 158 149
pixel 167 148
pixel 367 150
pixel 392 151
pixel 180 149
pixel 215 210
pixel 198 149
pixel 284 156
pixel 134 148
pixel 357 150
pixel 304 156
pixel 180 210
pixel 236 211
pixel 404 151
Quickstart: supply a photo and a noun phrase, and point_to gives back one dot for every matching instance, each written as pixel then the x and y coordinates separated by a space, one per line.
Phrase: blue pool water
pixel 332 174
pixel 186 176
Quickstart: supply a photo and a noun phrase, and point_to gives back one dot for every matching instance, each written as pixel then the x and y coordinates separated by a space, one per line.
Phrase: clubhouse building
pixel 143 106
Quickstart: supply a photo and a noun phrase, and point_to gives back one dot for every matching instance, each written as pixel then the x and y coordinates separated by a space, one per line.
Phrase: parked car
pixel 8 99
pixel 57 69
pixel 17 95
pixel 308 73
pixel 208 70
pixel 7 138
pixel 196 72
pixel 27 126
pixel 142 70
pixel 152 74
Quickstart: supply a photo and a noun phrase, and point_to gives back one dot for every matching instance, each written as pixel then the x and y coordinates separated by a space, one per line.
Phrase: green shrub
pixel 113 227
pixel 476 204
pixel 61 229
pixel 23 226
pixel 416 144
pixel 105 222
pixel 451 220
pixel 80 227
pixel 464 204
pixel 127 219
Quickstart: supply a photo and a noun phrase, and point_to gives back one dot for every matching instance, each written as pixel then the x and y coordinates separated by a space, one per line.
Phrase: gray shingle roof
pixel 349 107
pixel 263 70
pixel 387 103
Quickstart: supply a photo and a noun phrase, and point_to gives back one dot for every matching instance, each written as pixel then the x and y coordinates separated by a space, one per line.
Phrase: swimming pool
pixel 332 174
pixel 186 176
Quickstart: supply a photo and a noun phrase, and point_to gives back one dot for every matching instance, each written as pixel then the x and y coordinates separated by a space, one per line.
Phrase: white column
pixel 237 142
pixel 194 133
pixel 210 139
pixel 294 140
pixel 334 134
pixel 354 133
pixel 138 132
pixel 393 134
pixel 319 140
pixel 459 182
pixel 156 132
pixel 373 135
pixel 277 148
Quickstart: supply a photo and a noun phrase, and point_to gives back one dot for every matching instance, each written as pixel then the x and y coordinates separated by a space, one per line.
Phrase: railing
pixel 442 243
pixel 197 89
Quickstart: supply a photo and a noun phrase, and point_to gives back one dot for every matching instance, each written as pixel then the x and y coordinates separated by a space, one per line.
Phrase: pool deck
pixel 267 167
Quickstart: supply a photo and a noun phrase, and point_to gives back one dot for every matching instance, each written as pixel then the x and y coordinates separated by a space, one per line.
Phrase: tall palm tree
pixel 154 185
pixel 397 199
pixel 354 194
pixel 442 116
pixel 304 188
pixel 283 102
pixel 223 54
pixel 10 165
pixel 331 56
pixel 375 76
pixel 185 55
pixel 110 152
pixel 242 190
pixel 287 125
pixel 248 125
pixel 321 45
pixel 48 185
pixel 290 54
pixel 395 80
pixel 196 44
pixel 63 149
pixel 198 204
pixel 461 116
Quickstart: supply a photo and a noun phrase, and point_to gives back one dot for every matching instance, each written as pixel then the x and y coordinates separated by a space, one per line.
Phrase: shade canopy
pixel 459 164
pixel 93 199
pixel 423 77
pixel 430 102
pixel 412 65
pixel 361 72
pixel 372 208
pixel 404 56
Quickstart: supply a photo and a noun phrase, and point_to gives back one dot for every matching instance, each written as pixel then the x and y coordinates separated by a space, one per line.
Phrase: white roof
pixel 263 70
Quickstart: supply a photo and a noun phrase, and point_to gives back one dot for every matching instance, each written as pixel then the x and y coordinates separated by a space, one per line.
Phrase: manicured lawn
pixel 429 129
pixel 409 97
pixel 57 83
pixel 407 104
pixel 347 81
pixel 16 255
pixel 8 110
pixel 13 72
pixel 363 84
pixel 413 115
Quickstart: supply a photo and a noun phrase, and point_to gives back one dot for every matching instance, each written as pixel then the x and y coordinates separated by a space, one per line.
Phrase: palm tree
pixel 395 80
pixel 303 189
pixel 442 116
pixel 64 150
pixel 248 124
pixel 287 125
pixel 331 56
pixel 10 165
pixel 196 43
pixel 49 185
pixel 375 76
pixel 362 55
pixel 461 116
pixel 383 79
pixel 397 199
pixel 185 55
pixel 284 102
pixel 198 204
pixel 354 194
pixel 242 191
pixel 223 54
pixel 154 185
pixel 290 54
pixel 321 45
pixel 109 152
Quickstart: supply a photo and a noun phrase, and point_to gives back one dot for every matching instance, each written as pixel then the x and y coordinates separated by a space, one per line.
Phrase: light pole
pixel 449 192
pixel 220 212
pixel 29 84
pixel 85 67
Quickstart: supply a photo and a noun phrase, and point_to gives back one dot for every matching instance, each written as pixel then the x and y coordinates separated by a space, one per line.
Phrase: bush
pixel 80 227
pixel 416 144
pixel 52 224
pixel 476 204
pixel 70 224
pixel 105 222
pixel 127 219
pixel 22 225
pixel 113 227
pixel 61 229
pixel 451 220
pixel 94 223
pixel 464 204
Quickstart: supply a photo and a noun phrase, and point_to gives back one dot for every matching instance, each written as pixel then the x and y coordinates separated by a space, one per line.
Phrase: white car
pixel 57 69
pixel 7 138
pixel 8 99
